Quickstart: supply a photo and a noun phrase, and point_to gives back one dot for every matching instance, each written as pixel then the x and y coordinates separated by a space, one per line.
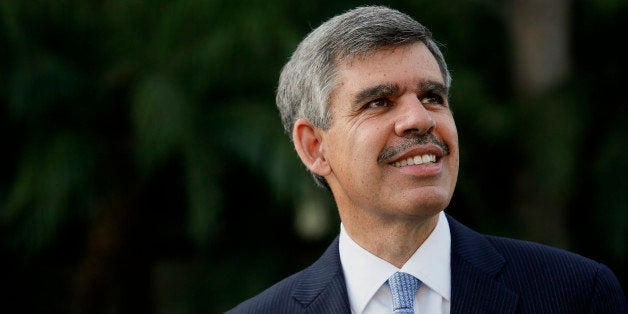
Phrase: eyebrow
pixel 433 86
pixel 387 90
pixel 379 91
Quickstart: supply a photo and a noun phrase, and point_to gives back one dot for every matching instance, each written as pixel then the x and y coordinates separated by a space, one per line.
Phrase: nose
pixel 413 117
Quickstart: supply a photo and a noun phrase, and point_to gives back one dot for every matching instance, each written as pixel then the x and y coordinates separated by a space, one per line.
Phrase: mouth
pixel 417 150
pixel 415 160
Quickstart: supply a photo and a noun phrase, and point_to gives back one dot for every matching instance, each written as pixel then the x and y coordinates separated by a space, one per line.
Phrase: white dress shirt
pixel 366 275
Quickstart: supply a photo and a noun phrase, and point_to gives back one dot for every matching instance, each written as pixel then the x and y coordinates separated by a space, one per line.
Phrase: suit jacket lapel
pixel 474 265
pixel 322 287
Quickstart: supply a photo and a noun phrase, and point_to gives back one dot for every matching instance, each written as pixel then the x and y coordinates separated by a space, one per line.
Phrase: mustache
pixel 410 141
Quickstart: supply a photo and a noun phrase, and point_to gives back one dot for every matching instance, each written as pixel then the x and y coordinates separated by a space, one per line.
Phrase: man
pixel 365 100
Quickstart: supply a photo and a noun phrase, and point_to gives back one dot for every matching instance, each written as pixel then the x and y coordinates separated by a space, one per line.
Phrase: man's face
pixel 392 147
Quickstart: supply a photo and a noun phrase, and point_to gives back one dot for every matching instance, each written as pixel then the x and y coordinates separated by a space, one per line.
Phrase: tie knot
pixel 404 288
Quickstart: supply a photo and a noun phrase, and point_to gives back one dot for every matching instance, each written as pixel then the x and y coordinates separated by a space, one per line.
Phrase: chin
pixel 427 205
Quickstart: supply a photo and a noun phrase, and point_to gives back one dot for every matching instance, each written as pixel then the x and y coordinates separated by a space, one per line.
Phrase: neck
pixel 393 240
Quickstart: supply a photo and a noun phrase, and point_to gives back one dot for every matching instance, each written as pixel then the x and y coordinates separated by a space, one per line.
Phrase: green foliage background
pixel 145 170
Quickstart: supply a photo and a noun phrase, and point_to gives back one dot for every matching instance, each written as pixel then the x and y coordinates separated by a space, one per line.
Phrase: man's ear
pixel 308 142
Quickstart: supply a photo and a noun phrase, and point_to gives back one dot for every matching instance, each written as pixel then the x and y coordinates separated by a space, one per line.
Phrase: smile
pixel 416 160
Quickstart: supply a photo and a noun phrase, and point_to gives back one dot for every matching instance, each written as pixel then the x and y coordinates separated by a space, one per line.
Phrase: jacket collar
pixel 475 264
pixel 322 286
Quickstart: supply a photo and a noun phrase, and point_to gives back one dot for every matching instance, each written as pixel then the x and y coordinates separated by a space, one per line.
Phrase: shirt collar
pixel 365 273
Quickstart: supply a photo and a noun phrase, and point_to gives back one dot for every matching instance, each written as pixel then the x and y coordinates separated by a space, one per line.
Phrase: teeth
pixel 416 160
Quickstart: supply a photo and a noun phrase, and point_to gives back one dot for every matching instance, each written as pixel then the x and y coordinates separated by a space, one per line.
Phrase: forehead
pixel 402 65
pixel 413 59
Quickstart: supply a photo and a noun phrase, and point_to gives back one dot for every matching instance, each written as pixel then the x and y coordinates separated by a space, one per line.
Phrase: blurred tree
pixel 108 97
pixel 551 118
pixel 137 134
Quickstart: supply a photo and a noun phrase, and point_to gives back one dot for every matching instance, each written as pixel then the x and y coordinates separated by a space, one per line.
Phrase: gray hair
pixel 309 77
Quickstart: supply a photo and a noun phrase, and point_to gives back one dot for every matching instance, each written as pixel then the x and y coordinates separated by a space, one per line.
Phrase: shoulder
pixel 540 255
pixel 320 288
pixel 539 270
pixel 518 255
pixel 541 276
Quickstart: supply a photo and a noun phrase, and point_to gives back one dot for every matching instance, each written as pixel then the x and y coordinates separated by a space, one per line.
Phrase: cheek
pixel 447 129
pixel 370 141
pixel 450 136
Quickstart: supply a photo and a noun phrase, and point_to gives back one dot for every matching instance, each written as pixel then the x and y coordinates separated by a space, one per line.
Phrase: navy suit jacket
pixel 489 275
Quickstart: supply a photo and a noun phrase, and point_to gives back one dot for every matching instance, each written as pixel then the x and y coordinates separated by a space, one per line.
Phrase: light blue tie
pixel 404 288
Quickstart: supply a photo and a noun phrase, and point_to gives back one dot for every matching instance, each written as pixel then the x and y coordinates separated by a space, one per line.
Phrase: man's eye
pixel 433 99
pixel 378 103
